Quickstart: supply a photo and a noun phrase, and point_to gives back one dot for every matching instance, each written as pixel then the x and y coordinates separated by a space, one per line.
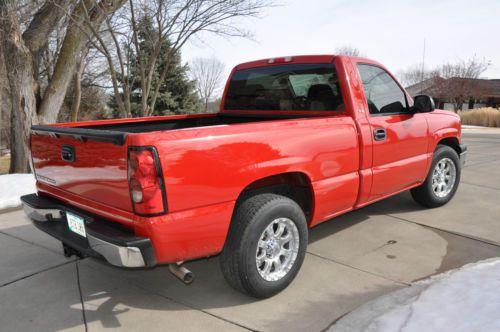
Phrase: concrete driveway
pixel 350 260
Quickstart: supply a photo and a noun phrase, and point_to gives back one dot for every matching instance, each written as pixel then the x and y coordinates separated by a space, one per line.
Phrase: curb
pixel 11 209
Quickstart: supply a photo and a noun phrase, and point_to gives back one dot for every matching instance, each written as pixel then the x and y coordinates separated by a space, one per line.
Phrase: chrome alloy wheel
pixel 277 249
pixel 444 176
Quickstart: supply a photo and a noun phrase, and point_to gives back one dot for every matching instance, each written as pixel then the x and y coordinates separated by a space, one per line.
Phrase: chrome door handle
pixel 379 134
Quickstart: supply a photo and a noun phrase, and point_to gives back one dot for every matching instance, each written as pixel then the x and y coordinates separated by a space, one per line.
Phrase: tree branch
pixel 73 44
pixel 43 23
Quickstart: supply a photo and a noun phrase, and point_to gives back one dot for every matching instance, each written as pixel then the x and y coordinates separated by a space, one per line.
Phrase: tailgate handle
pixel 68 153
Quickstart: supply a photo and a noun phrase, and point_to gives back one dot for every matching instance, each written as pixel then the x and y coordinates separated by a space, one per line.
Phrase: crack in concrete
pixel 447 231
pixel 195 308
pixel 358 269
pixel 29 242
pixel 480 185
pixel 480 162
pixel 84 317
pixel 35 273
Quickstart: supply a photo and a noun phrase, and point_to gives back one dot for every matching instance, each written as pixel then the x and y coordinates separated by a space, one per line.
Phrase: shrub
pixel 486 117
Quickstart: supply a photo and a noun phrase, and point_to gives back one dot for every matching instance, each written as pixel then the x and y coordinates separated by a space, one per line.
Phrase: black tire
pixel 424 194
pixel 238 259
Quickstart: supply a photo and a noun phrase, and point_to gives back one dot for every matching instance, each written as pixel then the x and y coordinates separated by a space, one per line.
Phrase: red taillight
pixel 146 181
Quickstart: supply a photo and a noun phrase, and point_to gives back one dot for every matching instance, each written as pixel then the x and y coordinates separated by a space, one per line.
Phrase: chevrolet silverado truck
pixel 297 141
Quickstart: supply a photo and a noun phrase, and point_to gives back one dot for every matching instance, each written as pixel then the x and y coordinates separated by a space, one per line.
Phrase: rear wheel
pixel 442 181
pixel 266 245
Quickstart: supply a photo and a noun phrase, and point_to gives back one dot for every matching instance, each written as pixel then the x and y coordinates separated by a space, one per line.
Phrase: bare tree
pixel 347 50
pixel 23 52
pixel 174 22
pixel 89 92
pixel 459 82
pixel 77 96
pixel 416 74
pixel 208 74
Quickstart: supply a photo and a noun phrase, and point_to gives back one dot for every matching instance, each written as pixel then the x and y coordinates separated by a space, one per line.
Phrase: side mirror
pixel 423 104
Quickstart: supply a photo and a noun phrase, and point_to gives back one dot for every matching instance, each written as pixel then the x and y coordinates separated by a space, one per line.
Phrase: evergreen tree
pixel 177 94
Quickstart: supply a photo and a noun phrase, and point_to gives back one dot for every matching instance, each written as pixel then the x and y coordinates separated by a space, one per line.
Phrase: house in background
pixel 459 93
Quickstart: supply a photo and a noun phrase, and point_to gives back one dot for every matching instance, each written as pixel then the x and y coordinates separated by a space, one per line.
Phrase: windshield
pixel 313 87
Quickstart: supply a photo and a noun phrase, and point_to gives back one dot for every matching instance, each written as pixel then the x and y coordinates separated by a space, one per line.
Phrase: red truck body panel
pixel 205 169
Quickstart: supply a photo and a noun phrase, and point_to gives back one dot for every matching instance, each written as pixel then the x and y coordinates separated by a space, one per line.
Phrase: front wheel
pixel 442 181
pixel 266 245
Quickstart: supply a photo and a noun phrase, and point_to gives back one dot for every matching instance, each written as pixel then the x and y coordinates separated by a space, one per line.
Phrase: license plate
pixel 76 224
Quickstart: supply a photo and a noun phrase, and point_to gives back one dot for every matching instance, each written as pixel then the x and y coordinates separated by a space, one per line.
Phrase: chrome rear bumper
pixel 104 239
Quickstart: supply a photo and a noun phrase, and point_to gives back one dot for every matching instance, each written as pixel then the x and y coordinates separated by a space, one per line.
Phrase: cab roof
pixel 287 59
pixel 296 59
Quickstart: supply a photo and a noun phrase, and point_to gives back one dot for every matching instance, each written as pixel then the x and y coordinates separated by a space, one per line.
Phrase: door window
pixel 382 93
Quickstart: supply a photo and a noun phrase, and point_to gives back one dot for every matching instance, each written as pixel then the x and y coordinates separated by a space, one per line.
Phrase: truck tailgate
pixel 89 163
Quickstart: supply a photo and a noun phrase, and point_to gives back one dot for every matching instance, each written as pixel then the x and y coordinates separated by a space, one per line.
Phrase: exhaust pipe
pixel 181 272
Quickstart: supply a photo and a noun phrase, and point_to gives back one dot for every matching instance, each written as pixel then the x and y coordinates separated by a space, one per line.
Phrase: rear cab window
pixel 291 87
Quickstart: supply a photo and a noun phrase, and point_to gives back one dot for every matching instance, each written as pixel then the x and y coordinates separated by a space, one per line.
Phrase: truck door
pixel 400 137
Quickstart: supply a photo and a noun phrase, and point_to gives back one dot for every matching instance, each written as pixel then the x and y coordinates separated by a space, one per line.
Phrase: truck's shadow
pixel 398 204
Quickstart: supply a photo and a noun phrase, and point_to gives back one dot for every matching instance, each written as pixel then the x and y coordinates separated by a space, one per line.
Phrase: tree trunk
pixel 19 62
pixel 163 75
pixel 5 108
pixel 43 23
pixel 37 35
pixel 77 98
pixel 472 101
pixel 206 105
pixel 88 12
pixel 72 46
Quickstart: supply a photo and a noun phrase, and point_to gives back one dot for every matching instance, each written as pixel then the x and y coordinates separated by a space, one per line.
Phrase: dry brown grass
pixel 486 117
pixel 4 164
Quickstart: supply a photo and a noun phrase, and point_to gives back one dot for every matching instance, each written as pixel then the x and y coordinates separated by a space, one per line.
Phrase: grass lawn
pixel 4 164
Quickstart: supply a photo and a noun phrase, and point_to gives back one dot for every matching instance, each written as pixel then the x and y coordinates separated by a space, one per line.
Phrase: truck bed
pixel 189 122
pixel 115 131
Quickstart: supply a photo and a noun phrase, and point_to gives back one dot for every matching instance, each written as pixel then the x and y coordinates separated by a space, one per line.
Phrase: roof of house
pixel 484 87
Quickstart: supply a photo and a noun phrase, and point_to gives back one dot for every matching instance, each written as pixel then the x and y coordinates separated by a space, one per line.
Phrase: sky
pixel 391 32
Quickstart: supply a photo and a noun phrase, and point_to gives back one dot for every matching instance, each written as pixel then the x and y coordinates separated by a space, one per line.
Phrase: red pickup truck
pixel 298 141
